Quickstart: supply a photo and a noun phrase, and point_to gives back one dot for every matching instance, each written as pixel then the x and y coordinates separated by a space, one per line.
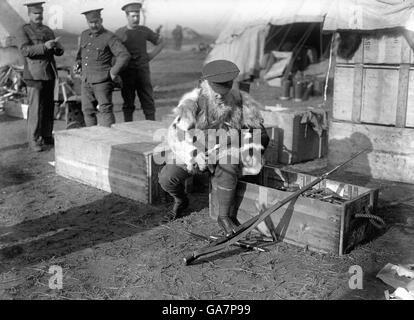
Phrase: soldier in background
pixel 136 78
pixel 178 37
pixel 38 45
pixel 97 49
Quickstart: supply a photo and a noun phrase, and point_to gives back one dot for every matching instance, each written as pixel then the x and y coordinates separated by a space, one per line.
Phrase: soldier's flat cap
pixel 35 7
pixel 132 7
pixel 220 71
pixel 93 14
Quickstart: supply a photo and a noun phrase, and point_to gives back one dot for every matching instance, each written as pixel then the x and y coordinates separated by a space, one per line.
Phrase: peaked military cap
pixel 35 7
pixel 93 14
pixel 132 7
pixel 220 71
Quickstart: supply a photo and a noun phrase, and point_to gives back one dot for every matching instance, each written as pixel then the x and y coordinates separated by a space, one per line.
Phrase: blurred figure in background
pixel 178 37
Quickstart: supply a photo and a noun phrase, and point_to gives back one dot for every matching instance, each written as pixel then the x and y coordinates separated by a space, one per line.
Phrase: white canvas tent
pixel 10 20
pixel 243 38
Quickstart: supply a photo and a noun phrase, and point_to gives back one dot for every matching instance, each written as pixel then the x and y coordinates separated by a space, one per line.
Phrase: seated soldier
pixel 196 140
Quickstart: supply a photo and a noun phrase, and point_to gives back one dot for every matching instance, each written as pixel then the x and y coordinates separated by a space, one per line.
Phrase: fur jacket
pixel 202 109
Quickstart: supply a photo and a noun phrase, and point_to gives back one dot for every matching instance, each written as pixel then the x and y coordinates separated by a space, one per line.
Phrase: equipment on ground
pixel 249 226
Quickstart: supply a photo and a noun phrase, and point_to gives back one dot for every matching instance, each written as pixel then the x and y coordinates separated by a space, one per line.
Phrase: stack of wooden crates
pixel 374 108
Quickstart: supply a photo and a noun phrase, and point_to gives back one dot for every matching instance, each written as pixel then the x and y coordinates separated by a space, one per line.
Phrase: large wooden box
pixel 391 155
pixel 16 109
pixel 151 131
pixel 109 160
pixel 294 137
pixel 306 222
pixel 374 94
pixel 384 47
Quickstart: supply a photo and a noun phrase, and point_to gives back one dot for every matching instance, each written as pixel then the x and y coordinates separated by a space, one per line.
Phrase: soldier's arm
pixel 120 53
pixel 156 40
pixel 26 47
pixel 179 141
pixel 58 50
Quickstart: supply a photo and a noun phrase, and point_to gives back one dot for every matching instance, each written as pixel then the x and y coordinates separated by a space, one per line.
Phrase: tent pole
pixel 325 96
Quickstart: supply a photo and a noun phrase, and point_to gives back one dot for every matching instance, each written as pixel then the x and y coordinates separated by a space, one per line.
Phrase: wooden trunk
pixel 296 141
pixel 392 150
pixel 16 109
pixel 151 131
pixel 109 160
pixel 386 47
pixel 319 226
pixel 375 94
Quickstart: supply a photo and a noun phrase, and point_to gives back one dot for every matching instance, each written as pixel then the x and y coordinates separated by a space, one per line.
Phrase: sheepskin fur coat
pixel 203 109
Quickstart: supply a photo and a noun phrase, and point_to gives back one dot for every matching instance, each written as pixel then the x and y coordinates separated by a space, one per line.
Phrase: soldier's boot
pixel 150 117
pixel 226 199
pixel 36 145
pixel 233 216
pixel 179 207
pixel 128 116
pixel 181 201
pixel 49 141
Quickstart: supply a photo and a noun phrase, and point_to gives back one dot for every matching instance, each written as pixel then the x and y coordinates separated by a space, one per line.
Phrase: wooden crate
pixel 296 142
pixel 109 160
pixel 392 155
pixel 151 131
pixel 374 94
pixel 306 222
pixel 16 109
pixel 387 47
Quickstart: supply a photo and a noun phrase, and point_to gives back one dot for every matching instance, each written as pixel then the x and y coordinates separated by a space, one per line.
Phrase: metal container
pixel 299 89
pixel 286 85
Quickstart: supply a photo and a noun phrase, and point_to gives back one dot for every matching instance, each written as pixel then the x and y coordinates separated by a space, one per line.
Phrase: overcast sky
pixel 207 17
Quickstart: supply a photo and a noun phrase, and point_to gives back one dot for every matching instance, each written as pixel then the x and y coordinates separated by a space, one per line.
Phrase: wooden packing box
pixel 16 109
pixel 374 94
pixel 386 47
pixel 151 131
pixel 109 160
pixel 392 155
pixel 319 226
pixel 296 142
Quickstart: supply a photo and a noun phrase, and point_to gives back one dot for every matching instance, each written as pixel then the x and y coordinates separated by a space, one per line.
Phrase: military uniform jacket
pixel 39 61
pixel 96 53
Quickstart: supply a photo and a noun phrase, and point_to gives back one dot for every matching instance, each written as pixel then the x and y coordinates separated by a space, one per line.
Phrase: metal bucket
pixel 286 85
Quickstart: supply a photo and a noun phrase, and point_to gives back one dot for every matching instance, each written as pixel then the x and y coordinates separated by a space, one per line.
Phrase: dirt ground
pixel 113 248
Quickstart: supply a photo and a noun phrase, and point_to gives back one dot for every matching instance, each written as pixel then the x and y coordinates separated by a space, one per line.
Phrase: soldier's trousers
pixel 41 110
pixel 172 178
pixel 94 95
pixel 138 82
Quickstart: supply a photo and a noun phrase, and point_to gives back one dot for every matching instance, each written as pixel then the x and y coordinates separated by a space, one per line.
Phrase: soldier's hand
pixel 116 80
pixel 51 44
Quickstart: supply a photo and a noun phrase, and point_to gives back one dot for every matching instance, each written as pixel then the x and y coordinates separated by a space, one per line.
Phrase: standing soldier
pixel 98 47
pixel 137 78
pixel 38 45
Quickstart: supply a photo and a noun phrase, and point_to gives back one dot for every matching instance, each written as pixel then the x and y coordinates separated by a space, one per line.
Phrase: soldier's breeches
pixel 225 177
pixel 138 82
pixel 41 110
pixel 172 179
pixel 97 104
